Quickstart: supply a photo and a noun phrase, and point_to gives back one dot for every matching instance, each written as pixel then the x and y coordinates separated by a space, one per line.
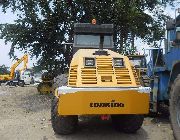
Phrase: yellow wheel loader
pixel 100 82
pixel 139 62
pixel 45 87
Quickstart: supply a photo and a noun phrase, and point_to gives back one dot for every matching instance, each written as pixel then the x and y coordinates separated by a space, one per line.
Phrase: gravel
pixel 25 115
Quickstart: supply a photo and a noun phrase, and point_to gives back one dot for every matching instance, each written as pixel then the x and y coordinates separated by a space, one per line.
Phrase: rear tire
pixel 174 107
pixel 63 125
pixel 127 123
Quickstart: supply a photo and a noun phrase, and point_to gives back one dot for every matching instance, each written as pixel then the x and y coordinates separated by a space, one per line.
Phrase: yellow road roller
pixel 100 82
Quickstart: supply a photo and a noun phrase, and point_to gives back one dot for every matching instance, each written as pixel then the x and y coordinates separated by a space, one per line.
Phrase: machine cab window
pixel 171 35
pixel 92 41
pixel 87 36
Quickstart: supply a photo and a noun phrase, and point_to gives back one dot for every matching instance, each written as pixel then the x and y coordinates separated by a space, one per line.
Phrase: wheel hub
pixel 178 112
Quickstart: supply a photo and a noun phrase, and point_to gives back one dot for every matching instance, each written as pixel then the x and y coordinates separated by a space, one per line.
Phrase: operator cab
pixel 173 33
pixel 90 36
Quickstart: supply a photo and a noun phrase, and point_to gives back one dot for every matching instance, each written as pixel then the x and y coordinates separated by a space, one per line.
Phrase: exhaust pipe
pixel 101 45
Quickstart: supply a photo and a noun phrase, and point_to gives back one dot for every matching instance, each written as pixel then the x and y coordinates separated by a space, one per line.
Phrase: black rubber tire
pixel 11 83
pixel 21 83
pixel 32 81
pixel 127 123
pixel 63 125
pixel 174 107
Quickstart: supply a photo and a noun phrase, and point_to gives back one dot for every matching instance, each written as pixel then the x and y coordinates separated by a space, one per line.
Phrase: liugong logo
pixel 113 103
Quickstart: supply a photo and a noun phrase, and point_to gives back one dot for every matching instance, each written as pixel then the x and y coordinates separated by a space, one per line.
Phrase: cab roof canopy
pixel 87 28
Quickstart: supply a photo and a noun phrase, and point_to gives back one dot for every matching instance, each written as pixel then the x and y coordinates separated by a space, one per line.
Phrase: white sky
pixel 9 17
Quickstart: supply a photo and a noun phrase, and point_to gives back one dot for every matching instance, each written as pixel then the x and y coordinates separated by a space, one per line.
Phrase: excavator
pixel 13 78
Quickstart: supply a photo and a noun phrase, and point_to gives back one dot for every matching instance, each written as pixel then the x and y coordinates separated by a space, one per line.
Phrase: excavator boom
pixel 19 61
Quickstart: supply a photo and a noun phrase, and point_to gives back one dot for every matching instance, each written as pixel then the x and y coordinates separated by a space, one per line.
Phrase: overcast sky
pixel 9 17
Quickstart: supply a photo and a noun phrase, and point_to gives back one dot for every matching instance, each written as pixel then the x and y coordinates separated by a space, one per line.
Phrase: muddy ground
pixel 25 115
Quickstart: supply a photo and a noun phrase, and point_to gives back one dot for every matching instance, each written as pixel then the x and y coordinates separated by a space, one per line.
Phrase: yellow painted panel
pixel 103 66
pixel 81 103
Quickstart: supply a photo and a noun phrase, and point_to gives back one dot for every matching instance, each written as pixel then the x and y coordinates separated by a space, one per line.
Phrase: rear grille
pixel 88 76
pixel 104 66
pixel 73 75
pixel 122 76
pixel 103 74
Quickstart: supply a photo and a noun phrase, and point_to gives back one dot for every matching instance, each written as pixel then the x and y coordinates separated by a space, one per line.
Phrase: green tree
pixel 4 69
pixel 43 25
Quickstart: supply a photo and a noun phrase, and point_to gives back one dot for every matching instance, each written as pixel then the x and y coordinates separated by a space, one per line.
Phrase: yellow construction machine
pixel 13 78
pixel 45 87
pixel 100 82
pixel 139 62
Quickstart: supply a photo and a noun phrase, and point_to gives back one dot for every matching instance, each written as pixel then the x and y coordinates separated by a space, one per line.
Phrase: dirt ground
pixel 25 115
